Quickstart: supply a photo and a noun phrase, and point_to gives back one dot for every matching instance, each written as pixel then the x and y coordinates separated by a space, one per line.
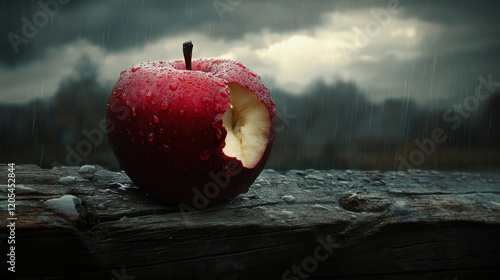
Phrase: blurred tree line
pixel 332 126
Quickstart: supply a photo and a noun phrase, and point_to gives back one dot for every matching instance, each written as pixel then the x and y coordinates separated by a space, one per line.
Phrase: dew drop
pixel 120 90
pixel 173 86
pixel 153 103
pixel 143 107
pixel 181 96
pixel 181 112
pixel 149 95
pixel 204 156
pixel 156 119
pixel 133 112
pixel 164 105
pixel 158 83
pixel 127 103
pixel 166 149
pixel 65 206
pixel 151 137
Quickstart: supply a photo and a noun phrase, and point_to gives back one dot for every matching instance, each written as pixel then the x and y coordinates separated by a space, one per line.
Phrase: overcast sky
pixel 425 50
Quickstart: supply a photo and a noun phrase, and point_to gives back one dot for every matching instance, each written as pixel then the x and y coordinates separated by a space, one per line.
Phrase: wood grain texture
pixel 291 225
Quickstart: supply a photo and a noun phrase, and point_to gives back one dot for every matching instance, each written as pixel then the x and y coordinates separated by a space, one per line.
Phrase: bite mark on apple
pixel 248 126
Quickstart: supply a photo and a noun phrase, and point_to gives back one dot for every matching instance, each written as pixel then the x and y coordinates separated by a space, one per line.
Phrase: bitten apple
pixel 197 134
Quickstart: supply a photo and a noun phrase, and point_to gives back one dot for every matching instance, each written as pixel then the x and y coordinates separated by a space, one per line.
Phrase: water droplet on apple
pixel 173 86
pixel 149 95
pixel 141 133
pixel 161 130
pixel 166 149
pixel 158 83
pixel 135 69
pixel 156 119
pixel 143 107
pixel 119 90
pixel 216 109
pixel 151 137
pixel 128 131
pixel 133 112
pixel 153 103
pixel 180 78
pixel 124 96
pixel 181 112
pixel 206 100
pixel 181 96
pixel 127 103
pixel 164 105
pixel 196 111
pixel 253 74
pixel 108 106
pixel 218 133
pixel 204 156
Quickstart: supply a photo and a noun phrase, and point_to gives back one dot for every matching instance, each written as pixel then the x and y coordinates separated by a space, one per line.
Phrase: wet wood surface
pixel 90 223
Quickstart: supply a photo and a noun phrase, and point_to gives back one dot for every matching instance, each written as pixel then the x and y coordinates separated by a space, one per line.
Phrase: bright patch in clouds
pixel 290 61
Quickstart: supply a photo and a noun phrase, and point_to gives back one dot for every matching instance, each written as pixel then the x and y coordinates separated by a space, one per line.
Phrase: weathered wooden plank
pixel 291 225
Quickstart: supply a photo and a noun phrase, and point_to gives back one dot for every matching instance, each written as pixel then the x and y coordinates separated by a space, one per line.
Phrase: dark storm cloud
pixel 464 21
pixel 118 24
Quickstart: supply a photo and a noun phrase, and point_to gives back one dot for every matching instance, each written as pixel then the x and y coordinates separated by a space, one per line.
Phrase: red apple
pixel 193 136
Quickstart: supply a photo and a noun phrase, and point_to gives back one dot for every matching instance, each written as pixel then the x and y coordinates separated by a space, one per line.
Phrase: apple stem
pixel 187 49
